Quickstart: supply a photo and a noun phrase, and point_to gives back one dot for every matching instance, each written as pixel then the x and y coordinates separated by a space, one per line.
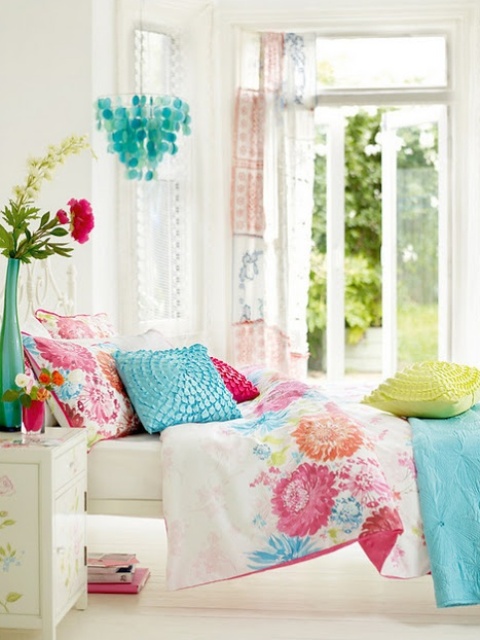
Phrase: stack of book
pixel 115 573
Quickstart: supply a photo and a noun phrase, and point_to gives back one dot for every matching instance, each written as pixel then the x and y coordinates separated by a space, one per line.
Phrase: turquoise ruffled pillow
pixel 175 386
pixel 430 389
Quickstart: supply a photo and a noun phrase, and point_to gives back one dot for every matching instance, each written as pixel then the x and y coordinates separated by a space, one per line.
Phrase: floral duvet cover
pixel 306 471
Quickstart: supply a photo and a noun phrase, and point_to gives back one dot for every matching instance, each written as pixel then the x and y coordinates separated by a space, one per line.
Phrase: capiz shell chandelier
pixel 141 129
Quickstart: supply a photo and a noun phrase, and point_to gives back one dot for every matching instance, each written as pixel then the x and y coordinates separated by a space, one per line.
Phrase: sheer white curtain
pixel 272 200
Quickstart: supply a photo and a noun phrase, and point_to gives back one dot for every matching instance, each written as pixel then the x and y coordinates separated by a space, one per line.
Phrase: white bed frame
pixel 109 462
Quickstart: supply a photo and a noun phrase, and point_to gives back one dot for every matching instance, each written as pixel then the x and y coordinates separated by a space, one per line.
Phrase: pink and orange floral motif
pixel 303 500
pixel 328 437
pixel 107 365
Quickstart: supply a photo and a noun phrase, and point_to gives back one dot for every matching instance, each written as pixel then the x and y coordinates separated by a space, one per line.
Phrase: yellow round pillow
pixel 431 389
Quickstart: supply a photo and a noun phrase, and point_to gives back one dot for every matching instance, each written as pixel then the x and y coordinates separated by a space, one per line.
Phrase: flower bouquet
pixel 28 233
pixel 32 395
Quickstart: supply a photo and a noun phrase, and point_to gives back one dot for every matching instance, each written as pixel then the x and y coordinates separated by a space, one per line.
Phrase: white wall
pixel 50 55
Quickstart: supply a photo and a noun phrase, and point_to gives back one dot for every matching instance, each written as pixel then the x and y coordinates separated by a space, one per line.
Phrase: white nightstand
pixel 42 528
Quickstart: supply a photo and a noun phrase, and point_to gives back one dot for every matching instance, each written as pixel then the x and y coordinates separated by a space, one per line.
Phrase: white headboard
pixel 42 286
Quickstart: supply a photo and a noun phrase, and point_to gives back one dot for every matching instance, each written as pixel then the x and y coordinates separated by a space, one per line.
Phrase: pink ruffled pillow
pixel 76 327
pixel 239 386
pixel 93 396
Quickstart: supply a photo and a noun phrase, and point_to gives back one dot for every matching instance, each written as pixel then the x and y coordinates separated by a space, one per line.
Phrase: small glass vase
pixel 34 417
pixel 11 350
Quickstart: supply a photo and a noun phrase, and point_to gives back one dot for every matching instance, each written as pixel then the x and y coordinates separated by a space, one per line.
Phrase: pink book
pixel 139 579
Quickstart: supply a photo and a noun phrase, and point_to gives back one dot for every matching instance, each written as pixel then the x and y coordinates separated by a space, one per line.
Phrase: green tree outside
pixel 363 229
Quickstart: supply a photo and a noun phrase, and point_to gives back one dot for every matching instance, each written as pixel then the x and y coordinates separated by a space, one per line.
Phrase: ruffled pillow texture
pixel 175 386
pixel 432 389
pixel 93 396
pixel 241 388
pixel 76 327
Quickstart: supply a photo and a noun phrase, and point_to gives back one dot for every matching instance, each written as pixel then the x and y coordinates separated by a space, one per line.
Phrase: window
pixel 379 231
pixel 157 261
pixel 162 274
pixel 346 63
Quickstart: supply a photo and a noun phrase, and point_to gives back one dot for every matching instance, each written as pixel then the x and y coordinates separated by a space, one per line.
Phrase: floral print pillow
pixel 93 396
pixel 76 327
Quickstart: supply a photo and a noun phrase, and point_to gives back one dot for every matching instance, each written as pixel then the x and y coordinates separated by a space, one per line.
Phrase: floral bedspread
pixel 305 471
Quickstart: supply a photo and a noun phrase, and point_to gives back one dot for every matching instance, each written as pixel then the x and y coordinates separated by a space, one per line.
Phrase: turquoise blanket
pixel 447 458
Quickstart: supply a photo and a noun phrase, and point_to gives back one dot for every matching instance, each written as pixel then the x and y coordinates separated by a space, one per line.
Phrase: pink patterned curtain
pixel 272 201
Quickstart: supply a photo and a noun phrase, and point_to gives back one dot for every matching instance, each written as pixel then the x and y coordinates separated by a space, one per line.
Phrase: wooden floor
pixel 337 597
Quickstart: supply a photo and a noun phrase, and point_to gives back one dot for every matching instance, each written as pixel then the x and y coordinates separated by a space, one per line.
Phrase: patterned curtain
pixel 272 201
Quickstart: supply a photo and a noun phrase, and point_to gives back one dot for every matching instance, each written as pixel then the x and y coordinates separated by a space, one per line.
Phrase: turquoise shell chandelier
pixel 142 129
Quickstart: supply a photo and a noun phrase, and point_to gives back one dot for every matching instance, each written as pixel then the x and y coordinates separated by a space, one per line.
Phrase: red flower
pixel 62 217
pixel 44 377
pixel 57 378
pixel 81 219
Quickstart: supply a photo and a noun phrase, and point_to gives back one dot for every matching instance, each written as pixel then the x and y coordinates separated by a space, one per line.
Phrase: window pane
pixel 381 62
pixel 161 205
pixel 417 244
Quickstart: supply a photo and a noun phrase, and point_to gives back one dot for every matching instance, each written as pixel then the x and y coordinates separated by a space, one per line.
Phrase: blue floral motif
pixel 262 425
pixel 69 389
pixel 250 268
pixel 9 558
pixel 347 514
pixel 295 48
pixel 281 549
pixel 259 521
pixel 29 344
pixel 262 451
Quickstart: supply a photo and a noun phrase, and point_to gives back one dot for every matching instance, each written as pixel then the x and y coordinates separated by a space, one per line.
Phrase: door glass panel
pixel 411 223
pixel 417 244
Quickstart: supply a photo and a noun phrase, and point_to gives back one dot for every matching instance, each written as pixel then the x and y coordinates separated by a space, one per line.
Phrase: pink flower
pixel 100 404
pixel 6 486
pixel 385 519
pixel 62 217
pixel 66 356
pixel 367 483
pixel 82 221
pixel 68 329
pixel 303 501
pixel 281 396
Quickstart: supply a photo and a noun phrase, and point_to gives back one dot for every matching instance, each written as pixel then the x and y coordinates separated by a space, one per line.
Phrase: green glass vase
pixel 11 350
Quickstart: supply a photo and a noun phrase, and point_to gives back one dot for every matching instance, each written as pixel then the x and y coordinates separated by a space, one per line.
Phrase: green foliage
pixel 21 243
pixel 17 238
pixel 417 275
pixel 363 306
pixel 417 338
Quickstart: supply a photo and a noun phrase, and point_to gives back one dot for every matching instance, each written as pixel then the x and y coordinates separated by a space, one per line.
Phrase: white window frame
pixel 460 24
pixel 179 19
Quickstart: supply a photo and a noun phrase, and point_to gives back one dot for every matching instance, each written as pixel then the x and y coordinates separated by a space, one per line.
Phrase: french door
pixel 415 255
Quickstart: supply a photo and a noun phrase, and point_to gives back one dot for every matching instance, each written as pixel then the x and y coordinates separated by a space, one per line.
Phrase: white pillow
pixel 34 327
pixel 151 340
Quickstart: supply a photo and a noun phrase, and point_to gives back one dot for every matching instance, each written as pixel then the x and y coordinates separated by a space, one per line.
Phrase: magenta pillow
pixel 239 386
pixel 76 327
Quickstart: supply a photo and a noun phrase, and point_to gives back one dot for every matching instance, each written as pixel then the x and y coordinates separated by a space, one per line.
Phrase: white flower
pixel 22 380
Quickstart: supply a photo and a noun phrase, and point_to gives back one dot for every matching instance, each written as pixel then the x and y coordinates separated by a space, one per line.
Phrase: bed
pixel 258 482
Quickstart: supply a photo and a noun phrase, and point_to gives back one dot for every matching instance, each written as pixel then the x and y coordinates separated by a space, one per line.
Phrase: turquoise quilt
pixel 447 458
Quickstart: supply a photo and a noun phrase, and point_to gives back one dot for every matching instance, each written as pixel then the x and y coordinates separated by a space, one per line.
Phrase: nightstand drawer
pixel 72 463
